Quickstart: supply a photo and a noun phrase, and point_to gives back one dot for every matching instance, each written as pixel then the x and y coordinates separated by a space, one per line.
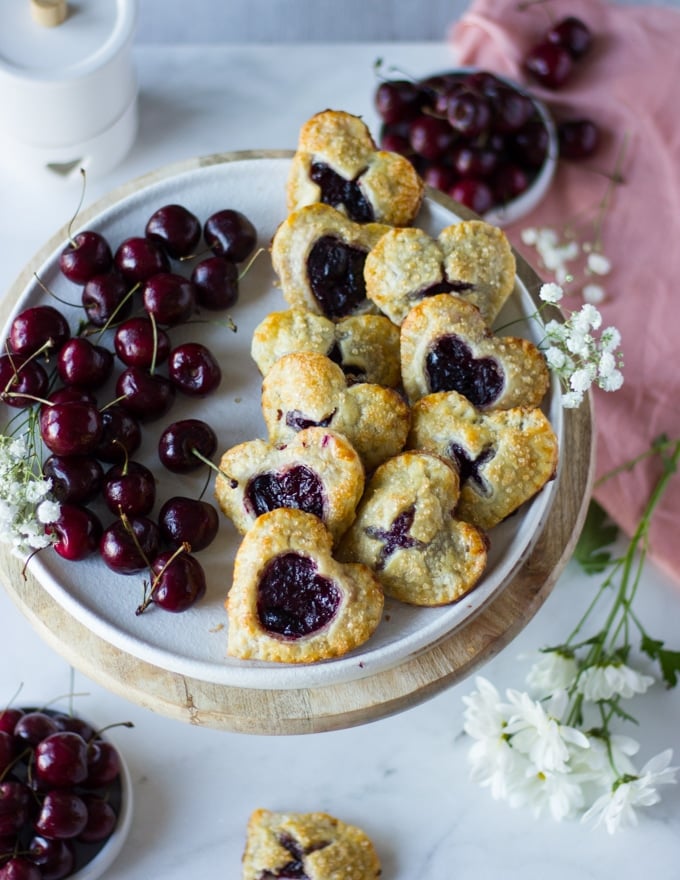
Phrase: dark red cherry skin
pixel 229 233
pixel 83 363
pixel 573 34
pixel 14 805
pixel 76 479
pixel 189 521
pixel 179 440
pixel 31 727
pixel 7 750
pixel 147 397
pixel 70 428
pixel 54 858
pixel 69 394
pixel 138 344
pixel 474 161
pixel 169 297
pixel 430 137
pixel 63 815
pixel 509 182
pixel 9 718
pixel 78 531
pixel 121 435
pixel 105 299
pixel 137 259
pixel 529 145
pixel 20 868
pixel 103 763
pixel 21 381
pixel 178 581
pixel 101 819
pixel 127 554
pixel 398 100
pixel 34 327
pixel 469 113
pixel 216 281
pixel 75 725
pixel 61 759
pixel 550 64
pixel 440 176
pixel 174 228
pixel 88 254
pixel 474 193
pixel 193 369
pixel 578 138
pixel 129 488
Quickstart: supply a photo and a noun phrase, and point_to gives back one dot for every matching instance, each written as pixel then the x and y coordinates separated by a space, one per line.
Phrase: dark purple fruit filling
pixel 298 420
pixel 442 287
pixel 294 869
pixel 450 366
pixel 292 599
pixel 297 487
pixel 336 276
pixel 469 469
pixel 338 192
pixel 353 372
pixel 396 537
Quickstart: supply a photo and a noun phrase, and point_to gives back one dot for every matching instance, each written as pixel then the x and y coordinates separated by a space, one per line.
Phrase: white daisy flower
pixel 612 680
pixel 555 670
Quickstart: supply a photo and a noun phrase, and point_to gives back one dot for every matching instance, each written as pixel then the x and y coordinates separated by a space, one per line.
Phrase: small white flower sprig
pixel 553 747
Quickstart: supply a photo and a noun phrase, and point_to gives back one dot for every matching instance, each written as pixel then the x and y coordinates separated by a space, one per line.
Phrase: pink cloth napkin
pixel 628 84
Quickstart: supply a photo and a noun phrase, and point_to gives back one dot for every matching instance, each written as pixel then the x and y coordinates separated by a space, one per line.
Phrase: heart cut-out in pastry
pixel 315 846
pixel 338 163
pixel 306 389
pixel 407 533
pixel 291 601
pixel 318 255
pixel 366 347
pixel 447 346
pixel 503 458
pixel 319 471
pixel 471 259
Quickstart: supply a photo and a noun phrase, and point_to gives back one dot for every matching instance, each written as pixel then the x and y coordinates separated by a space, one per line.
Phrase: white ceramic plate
pixel 193 643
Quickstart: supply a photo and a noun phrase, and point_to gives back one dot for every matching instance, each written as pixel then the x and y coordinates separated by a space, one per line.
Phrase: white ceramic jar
pixel 68 90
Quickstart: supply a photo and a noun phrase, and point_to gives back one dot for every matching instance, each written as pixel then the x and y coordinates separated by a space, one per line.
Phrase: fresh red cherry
pixel 139 344
pixel 33 726
pixel 70 428
pixel 128 545
pixel 430 137
pixel 76 479
pixel 139 258
pixel 469 113
pixel 69 394
pixel 34 327
pixel 509 182
pixel 169 297
pixel 20 868
pixel 578 138
pixel 529 145
pixel 440 176
pixel 78 530
pixel 176 229
pixel 86 255
pixel 189 521
pixel 511 109
pixel 216 282
pixel 398 100
pixel 103 763
pixel 146 396
pixel 75 725
pixel 550 64
pixel 63 815
pixel 15 800
pixel 101 819
pixel 105 298
pixel 21 381
pixel 83 363
pixel 474 194
pixel 9 718
pixel 121 435
pixel 193 369
pixel 7 750
pixel 61 759
pixel 470 160
pixel 229 233
pixel 129 488
pixel 54 858
pixel 178 581
pixel 181 440
pixel 573 34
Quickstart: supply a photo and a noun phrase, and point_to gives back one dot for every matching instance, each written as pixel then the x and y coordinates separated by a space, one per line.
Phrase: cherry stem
pixel 51 293
pixel 49 343
pixel 69 231
pixel 249 264
pixel 184 547
pixel 199 455
pixel 98 733
pixel 117 309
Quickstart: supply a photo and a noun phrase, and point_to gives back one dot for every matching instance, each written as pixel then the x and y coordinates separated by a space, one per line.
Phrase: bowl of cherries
pixel 65 796
pixel 481 138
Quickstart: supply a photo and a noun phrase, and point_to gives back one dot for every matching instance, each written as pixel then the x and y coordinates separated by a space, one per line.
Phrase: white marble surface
pixel 404 779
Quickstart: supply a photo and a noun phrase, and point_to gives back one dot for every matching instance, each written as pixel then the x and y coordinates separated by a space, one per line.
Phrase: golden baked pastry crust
pixel 305 387
pixel 405 531
pixel 472 256
pixel 388 181
pixel 280 535
pixel 367 345
pixel 328 848
pixel 329 456
pixel 516 364
pixel 293 242
pixel 515 452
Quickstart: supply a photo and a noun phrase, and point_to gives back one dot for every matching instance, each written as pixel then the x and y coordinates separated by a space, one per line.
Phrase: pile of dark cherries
pixel 132 299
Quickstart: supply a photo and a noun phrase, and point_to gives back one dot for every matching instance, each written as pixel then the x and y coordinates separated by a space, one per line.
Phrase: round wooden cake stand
pixel 333 706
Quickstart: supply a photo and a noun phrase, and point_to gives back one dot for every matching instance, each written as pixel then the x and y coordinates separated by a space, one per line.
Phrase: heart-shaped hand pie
pixel 306 389
pixel 318 471
pixel 503 458
pixel 447 346
pixel 307 845
pixel 366 347
pixel 338 163
pixel 470 259
pixel 291 601
pixel 405 531
pixel 319 255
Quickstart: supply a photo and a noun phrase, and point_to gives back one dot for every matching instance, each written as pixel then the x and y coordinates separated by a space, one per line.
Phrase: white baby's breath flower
pixel 593 293
pixel 22 488
pixel 48 511
pixel 556 358
pixel 603 682
pixel 598 264
pixel 529 235
pixel 551 292
pixel 611 382
pixel 587 318
pixel 610 339
pixel 555 670
pixel 572 400
pixel 581 380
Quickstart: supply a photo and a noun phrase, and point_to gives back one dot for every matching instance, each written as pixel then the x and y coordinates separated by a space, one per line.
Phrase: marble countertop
pixel 403 779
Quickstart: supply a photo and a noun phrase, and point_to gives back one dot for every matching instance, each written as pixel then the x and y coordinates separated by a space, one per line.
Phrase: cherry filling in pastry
pixel 336 276
pixel 298 421
pixel 450 366
pixel 295 868
pixel 441 287
pixel 338 192
pixel 469 468
pixel 293 600
pixel 297 486
pixel 354 374
pixel 396 537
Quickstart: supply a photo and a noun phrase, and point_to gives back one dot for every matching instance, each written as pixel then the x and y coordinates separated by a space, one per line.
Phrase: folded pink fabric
pixel 627 84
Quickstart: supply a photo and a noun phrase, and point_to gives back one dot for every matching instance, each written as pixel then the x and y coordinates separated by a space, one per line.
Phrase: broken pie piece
pixel 338 163
pixel 291 601
pixel 366 347
pixel 318 471
pixel 503 458
pixel 304 389
pixel 471 259
pixel 306 846
pixel 447 346
pixel 318 255
pixel 407 533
